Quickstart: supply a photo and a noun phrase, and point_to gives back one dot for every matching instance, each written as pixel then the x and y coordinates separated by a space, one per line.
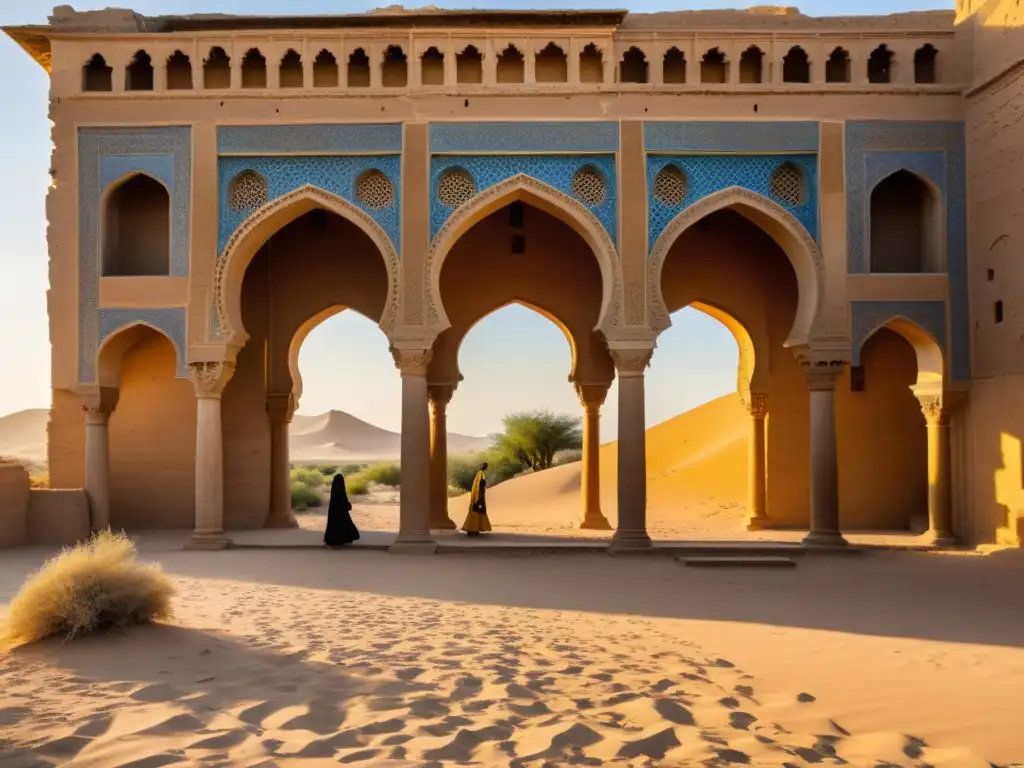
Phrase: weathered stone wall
pixel 14 491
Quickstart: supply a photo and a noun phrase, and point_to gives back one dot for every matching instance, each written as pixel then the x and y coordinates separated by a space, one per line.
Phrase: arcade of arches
pixel 803 417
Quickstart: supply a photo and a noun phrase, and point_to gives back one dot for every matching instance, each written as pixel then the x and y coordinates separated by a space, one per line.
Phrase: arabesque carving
pixel 935 412
pixel 331 202
pixel 605 251
pixel 592 396
pixel 413 362
pixel 209 378
pixel 631 361
pixel 725 198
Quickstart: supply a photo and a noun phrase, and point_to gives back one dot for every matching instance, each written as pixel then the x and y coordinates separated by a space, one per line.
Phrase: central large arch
pixel 548 199
pixel 784 228
pixel 226 322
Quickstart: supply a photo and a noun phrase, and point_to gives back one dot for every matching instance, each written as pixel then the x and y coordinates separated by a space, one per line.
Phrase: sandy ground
pixel 310 657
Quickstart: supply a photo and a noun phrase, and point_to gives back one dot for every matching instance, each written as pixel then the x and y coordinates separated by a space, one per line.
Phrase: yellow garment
pixel 476 522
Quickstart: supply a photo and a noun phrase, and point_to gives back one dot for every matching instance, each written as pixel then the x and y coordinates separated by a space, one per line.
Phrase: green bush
pixel 453 491
pixel 304 497
pixel 357 484
pixel 568 457
pixel 386 473
pixel 308 477
pixel 500 467
pixel 327 470
pixel 91 587
pixel 351 469
pixel 462 470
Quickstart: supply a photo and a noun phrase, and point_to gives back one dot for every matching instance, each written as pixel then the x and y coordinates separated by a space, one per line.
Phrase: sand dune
pixel 23 434
pixel 696 469
pixel 340 436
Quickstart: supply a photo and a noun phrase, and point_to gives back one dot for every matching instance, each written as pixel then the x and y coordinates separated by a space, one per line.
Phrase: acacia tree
pixel 534 437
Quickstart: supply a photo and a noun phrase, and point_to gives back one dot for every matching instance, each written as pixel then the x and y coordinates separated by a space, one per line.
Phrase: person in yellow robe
pixel 476 521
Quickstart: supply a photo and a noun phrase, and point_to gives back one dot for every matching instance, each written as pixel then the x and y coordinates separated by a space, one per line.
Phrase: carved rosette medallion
pixel 210 378
pixel 412 362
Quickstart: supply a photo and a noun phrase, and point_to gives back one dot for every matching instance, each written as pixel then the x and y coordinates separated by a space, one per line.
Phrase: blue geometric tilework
pixel 714 136
pixel 934 150
pixel 554 170
pixel 593 136
pixel 308 139
pixel 706 174
pixel 170 320
pixel 868 316
pixel 336 175
pixel 106 155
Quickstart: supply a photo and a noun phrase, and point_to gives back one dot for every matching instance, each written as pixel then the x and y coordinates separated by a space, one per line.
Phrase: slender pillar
pixel 439 395
pixel 592 398
pixel 757 515
pixel 940 470
pixel 97 459
pixel 209 380
pixel 280 409
pixel 821 383
pixel 632 528
pixel 414 504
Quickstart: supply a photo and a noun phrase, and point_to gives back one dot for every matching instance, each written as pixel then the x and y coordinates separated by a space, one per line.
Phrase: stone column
pixel 439 395
pixel 209 380
pixel 280 410
pixel 824 529
pixel 592 398
pixel 757 467
pixel 414 505
pixel 631 532
pixel 940 470
pixel 97 459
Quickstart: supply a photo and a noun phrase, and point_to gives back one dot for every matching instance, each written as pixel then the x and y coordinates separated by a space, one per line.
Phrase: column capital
pixel 631 361
pixel 756 403
pixel 282 407
pixel 936 412
pixel 591 396
pixel 412 361
pixel 210 377
pixel 99 405
pixel 821 374
pixel 440 394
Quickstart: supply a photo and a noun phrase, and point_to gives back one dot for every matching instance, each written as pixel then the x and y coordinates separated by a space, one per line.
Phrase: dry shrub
pixel 91 587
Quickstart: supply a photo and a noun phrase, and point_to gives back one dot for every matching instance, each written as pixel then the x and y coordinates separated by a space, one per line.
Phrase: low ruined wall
pixel 14 503
pixel 57 517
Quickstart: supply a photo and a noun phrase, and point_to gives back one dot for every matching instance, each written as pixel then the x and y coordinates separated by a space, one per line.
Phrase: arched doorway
pixel 316 261
pixel 526 250
pixel 729 267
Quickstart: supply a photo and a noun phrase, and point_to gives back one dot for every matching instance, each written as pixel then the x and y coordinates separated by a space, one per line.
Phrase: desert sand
pixel 23 434
pixel 313 657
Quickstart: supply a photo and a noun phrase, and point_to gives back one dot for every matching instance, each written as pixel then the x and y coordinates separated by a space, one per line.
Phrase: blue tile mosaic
pixel 336 175
pixel 867 316
pixel 554 170
pixel 706 174
pixel 170 320
pixel 321 139
pixel 935 150
pixel 104 156
pixel 540 137
pixel 713 136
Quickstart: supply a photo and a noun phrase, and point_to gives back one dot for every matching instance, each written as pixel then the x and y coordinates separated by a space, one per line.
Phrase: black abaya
pixel 340 528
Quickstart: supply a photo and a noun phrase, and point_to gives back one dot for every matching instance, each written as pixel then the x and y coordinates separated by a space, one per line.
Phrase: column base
pixel 208 541
pixel 444 524
pixel 824 539
pixel 595 521
pixel 279 520
pixel 623 541
pixel 417 546
pixel 758 524
pixel 940 539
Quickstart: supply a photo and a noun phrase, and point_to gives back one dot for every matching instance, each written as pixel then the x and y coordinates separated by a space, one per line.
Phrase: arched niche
pixel 906 225
pixel 928 351
pixel 116 345
pixel 136 227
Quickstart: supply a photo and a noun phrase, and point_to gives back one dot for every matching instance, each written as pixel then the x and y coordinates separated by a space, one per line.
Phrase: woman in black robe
pixel 340 528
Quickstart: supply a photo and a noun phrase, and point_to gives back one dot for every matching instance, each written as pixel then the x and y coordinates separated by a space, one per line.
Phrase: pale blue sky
pixel 512 360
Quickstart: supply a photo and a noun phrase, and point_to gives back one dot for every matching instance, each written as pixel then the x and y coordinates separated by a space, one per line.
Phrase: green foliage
pixel 357 484
pixel 304 497
pixel 386 473
pixel 453 491
pixel 462 470
pixel 307 476
pixel 351 469
pixel 534 438
pixel 500 467
pixel 568 457
pixel 327 470
pixel 91 587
